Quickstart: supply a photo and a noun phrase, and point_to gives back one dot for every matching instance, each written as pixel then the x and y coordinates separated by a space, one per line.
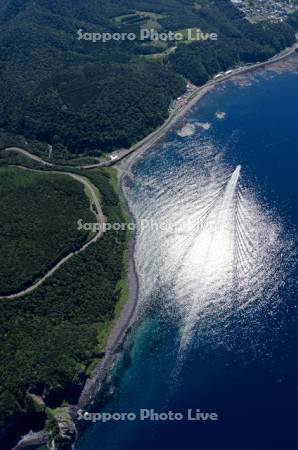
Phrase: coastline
pixel 126 160
pixel 122 325
pixel 123 166
pixel 127 156
pixel 273 90
pixel 94 384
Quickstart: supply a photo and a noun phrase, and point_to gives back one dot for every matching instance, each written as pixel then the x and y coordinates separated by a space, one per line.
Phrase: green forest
pixel 80 100
pixel 49 338
pixel 87 98
pixel 38 224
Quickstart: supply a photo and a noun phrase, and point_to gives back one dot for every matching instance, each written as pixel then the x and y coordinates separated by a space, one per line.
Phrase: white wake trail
pixel 215 247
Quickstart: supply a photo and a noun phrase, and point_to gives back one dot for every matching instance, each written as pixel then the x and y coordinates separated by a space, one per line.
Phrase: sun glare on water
pixel 230 256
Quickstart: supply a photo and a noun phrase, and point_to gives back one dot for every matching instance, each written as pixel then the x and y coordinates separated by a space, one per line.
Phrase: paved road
pixel 193 98
pixel 178 112
pixel 144 144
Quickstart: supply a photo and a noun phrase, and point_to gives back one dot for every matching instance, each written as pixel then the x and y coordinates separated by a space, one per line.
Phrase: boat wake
pixel 226 254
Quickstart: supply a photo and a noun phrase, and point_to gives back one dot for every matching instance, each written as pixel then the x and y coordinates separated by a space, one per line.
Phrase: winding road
pixel 176 114
pixel 99 217
pixel 143 145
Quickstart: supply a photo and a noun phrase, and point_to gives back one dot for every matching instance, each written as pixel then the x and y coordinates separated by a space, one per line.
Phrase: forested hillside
pixel 80 99
pixel 49 338
pixel 86 98
pixel 38 224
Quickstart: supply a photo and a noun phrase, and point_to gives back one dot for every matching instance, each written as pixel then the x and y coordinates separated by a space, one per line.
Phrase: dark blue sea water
pixel 218 322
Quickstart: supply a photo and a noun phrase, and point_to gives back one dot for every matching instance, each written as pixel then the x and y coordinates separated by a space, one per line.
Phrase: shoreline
pixel 123 324
pixel 127 157
pixel 125 162
pixel 121 327
pixel 122 166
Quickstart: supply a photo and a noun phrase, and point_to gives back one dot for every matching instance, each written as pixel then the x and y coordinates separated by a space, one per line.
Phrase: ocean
pixel 215 203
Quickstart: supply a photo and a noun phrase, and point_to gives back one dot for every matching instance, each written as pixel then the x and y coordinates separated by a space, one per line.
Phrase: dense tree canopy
pixel 51 336
pixel 38 224
pixel 86 98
